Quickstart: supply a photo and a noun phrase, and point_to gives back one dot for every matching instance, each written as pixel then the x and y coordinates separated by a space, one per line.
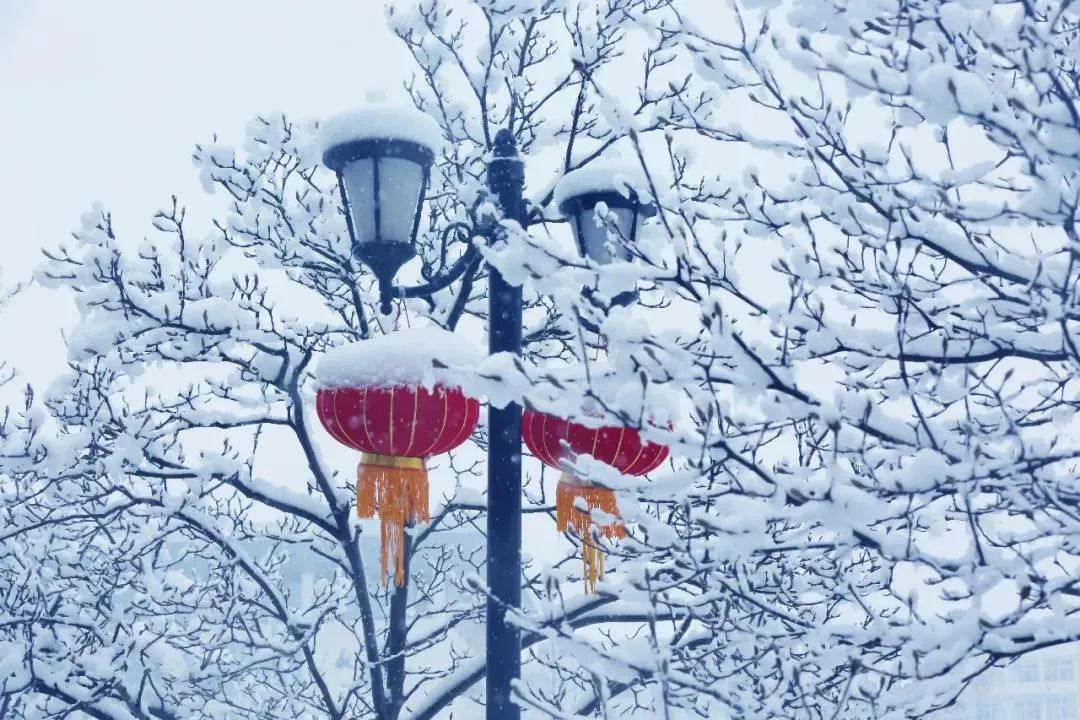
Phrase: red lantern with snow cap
pixel 394 399
pixel 552 439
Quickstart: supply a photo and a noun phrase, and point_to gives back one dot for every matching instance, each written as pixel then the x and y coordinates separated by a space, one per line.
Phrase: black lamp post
pixel 383 170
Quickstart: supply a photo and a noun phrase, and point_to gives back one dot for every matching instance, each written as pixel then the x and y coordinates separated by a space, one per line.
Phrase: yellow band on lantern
pixel 392 461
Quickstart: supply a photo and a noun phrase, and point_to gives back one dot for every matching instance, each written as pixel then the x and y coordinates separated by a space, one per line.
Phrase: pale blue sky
pixel 103 101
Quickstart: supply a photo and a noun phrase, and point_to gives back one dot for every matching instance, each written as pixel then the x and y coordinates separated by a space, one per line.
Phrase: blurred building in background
pixel 1044 685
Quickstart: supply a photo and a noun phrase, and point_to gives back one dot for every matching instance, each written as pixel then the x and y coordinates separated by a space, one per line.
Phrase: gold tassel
pixel 567 516
pixel 395 488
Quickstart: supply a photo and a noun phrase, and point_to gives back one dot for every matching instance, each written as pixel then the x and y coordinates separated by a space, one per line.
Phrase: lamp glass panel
pixel 358 177
pixel 400 184
pixel 605 241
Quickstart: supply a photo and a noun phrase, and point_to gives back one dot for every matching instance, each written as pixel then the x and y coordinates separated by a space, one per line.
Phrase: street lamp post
pixel 383 162
pixel 506 180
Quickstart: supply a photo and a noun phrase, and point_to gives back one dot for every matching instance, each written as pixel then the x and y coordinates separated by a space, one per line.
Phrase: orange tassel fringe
pixel 567 516
pixel 395 488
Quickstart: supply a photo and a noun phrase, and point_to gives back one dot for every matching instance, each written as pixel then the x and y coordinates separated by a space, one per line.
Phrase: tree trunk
pixel 396 638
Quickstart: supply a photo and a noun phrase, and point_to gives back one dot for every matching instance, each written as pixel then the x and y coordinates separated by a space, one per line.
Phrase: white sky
pixel 104 100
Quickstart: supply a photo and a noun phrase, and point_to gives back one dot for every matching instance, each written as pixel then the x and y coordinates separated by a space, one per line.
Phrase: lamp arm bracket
pixel 464 231
pixel 470 259
pixel 534 214
pixel 443 281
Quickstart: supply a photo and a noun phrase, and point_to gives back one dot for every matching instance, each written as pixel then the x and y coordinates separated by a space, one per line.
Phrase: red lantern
pixel 396 428
pixel 551 439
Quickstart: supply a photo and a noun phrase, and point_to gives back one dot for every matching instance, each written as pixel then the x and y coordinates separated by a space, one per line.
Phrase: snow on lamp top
pixel 601 176
pixel 382 121
pixel 415 357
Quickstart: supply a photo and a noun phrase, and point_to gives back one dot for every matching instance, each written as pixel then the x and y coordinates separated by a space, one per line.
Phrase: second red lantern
pixel 552 439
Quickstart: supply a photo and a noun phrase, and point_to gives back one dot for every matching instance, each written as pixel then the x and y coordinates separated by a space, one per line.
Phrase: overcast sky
pixel 103 101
